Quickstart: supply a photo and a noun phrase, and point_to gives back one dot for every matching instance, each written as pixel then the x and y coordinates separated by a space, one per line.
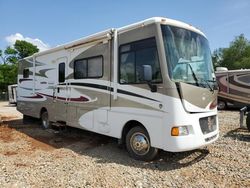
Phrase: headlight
pixel 179 131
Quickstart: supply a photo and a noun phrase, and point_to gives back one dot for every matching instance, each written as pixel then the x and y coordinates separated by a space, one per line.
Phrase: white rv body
pixel 106 102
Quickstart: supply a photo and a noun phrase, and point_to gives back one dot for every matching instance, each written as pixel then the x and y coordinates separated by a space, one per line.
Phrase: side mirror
pixel 147 76
pixel 147 73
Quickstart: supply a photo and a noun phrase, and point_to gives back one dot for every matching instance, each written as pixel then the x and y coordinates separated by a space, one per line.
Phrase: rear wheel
pixel 45 120
pixel 248 121
pixel 221 105
pixel 138 144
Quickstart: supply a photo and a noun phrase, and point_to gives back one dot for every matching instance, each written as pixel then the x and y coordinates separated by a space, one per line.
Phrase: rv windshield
pixel 188 56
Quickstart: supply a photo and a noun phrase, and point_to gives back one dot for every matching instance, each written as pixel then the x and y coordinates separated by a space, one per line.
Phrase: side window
pixel 88 68
pixel 61 72
pixel 80 69
pixel 26 73
pixel 95 67
pixel 132 58
pixel 127 67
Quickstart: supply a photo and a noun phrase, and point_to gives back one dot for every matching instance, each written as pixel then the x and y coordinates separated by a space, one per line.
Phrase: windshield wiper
pixel 210 87
pixel 215 86
pixel 194 75
pixel 207 82
pixel 196 79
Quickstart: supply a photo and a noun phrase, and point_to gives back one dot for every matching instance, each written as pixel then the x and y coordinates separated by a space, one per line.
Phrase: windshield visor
pixel 188 56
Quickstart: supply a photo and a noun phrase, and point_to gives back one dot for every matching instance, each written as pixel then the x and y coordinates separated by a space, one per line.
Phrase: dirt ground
pixel 33 157
pixel 12 127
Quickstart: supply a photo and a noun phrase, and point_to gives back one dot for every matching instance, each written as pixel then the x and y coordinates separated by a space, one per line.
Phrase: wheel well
pixel 43 109
pixel 128 126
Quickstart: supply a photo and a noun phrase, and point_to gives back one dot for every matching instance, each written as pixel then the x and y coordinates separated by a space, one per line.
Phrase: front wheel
pixel 138 145
pixel 45 120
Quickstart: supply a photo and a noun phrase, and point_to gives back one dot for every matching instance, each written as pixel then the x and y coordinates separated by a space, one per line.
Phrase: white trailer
pixel 149 84
pixel 12 93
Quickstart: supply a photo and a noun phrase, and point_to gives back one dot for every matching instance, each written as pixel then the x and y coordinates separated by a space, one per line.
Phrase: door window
pixel 61 74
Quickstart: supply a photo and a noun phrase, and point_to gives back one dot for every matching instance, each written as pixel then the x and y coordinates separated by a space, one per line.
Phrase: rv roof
pixel 233 71
pixel 162 20
pixel 106 34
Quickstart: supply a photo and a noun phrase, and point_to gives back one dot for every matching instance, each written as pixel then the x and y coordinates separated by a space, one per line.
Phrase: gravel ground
pixel 33 157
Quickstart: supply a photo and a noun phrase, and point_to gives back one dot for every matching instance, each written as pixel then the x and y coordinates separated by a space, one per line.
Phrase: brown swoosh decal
pixel 37 96
pixel 232 81
pixel 79 99
pixel 42 72
pixel 24 79
pixel 39 63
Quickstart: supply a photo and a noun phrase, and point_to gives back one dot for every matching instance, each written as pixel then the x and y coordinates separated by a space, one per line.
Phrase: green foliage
pixel 10 51
pixel 237 56
pixel 8 74
pixel 9 56
pixel 8 61
pixel 25 49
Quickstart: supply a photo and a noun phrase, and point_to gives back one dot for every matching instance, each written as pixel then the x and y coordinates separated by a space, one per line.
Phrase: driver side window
pixel 133 56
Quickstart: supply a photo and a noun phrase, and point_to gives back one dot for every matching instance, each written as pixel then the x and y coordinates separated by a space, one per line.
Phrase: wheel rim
pixel 221 105
pixel 45 120
pixel 139 143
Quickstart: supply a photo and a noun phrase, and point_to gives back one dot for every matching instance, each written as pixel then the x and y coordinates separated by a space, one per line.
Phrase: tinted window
pixel 88 68
pixel 127 67
pixel 80 69
pixel 61 77
pixel 26 73
pixel 95 67
pixel 132 58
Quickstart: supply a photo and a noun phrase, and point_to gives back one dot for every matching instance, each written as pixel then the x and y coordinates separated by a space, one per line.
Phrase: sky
pixel 48 23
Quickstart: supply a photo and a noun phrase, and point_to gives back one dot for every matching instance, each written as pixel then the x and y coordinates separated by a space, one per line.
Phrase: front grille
pixel 208 124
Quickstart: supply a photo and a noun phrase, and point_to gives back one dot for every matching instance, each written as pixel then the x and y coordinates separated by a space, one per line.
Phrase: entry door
pixel 61 91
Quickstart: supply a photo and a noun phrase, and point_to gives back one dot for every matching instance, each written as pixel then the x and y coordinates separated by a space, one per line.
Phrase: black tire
pixel 221 105
pixel 248 121
pixel 45 120
pixel 138 144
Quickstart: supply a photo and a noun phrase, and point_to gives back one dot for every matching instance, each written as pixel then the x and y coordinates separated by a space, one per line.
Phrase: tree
pixel 24 49
pixel 21 49
pixel 237 56
pixel 9 58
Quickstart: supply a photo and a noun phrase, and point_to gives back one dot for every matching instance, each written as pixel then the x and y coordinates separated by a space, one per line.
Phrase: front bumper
pixel 196 138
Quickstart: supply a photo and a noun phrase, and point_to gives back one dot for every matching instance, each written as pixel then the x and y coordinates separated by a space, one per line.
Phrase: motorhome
pixel 12 94
pixel 234 87
pixel 150 84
